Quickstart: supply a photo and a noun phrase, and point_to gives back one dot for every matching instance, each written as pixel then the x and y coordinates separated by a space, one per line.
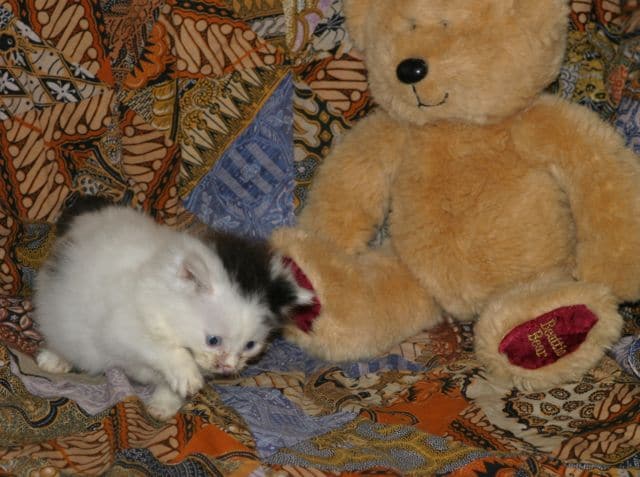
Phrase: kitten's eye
pixel 250 345
pixel 214 340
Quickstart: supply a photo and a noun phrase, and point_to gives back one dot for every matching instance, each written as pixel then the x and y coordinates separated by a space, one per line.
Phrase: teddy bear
pixel 505 204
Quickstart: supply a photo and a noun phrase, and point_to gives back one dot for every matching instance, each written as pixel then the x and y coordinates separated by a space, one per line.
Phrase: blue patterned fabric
pixel 276 422
pixel 385 363
pixel 283 356
pixel 627 353
pixel 249 189
pixel 628 122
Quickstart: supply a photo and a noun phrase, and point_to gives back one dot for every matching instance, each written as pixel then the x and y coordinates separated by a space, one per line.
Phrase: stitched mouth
pixel 427 105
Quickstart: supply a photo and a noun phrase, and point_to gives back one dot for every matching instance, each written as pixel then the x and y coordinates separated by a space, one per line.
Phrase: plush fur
pixel 506 203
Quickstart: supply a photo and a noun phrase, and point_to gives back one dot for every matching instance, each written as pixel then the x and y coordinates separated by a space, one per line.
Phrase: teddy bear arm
pixel 607 219
pixel 350 193
pixel 601 178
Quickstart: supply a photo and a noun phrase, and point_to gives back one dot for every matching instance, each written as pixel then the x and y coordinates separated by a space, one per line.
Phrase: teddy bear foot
pixel 543 334
pixel 366 303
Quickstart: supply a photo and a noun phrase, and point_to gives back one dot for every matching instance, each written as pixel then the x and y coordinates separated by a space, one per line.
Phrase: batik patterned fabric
pixel 224 109
pixel 249 189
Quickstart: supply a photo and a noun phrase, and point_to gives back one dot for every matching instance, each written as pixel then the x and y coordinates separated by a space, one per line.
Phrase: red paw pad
pixel 549 337
pixel 305 315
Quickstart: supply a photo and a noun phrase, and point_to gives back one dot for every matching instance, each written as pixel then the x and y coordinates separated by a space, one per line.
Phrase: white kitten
pixel 123 291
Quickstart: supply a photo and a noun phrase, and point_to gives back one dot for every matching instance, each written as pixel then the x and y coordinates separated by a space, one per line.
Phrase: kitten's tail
pixel 79 205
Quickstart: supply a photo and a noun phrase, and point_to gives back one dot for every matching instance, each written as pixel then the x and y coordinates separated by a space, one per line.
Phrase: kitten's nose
pixel 226 369
pixel 229 364
pixel 412 70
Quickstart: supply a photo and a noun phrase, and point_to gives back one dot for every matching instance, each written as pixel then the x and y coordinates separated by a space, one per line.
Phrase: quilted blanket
pixel 223 110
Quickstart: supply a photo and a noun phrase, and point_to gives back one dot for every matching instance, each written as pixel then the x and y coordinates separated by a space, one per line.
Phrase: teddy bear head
pixel 473 61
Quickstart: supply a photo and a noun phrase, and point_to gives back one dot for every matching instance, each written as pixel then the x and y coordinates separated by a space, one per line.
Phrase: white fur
pixel 123 291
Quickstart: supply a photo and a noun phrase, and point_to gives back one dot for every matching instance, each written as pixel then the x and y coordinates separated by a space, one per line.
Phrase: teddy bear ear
pixel 356 12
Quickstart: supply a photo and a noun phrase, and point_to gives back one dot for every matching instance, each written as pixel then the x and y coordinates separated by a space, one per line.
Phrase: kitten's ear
pixel 284 293
pixel 193 269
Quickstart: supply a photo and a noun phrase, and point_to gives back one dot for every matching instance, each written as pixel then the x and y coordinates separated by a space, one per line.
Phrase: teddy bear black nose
pixel 412 70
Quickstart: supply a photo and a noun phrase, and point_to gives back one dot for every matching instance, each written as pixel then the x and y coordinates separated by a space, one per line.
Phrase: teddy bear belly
pixel 475 242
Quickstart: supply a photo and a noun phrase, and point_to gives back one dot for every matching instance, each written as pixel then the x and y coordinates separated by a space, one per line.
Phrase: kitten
pixel 120 290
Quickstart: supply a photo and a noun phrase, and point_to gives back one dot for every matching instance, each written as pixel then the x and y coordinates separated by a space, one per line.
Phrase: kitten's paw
pixel 185 378
pixel 164 403
pixel 52 363
pixel 187 383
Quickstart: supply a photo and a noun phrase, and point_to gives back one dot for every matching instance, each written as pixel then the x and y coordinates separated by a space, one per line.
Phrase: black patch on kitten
pixel 282 296
pixel 248 263
pixel 79 205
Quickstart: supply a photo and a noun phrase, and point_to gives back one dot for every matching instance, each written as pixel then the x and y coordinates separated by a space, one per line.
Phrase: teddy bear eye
pixel 412 24
pixel 250 345
pixel 444 23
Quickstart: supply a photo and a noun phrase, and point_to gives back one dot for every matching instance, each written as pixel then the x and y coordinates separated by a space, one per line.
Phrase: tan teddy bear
pixel 506 204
